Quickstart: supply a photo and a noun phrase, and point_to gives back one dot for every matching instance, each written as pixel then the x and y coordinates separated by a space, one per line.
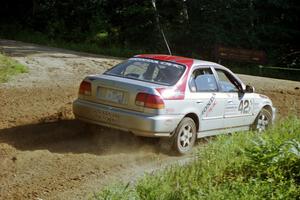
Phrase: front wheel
pixel 185 136
pixel 263 121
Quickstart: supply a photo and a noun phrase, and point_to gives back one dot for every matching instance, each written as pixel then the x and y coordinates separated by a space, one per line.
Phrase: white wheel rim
pixel 185 137
pixel 262 122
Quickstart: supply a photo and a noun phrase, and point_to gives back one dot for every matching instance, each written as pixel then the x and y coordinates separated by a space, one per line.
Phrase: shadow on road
pixel 72 136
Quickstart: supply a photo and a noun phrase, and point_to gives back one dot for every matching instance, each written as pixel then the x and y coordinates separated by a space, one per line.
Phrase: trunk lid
pixel 117 91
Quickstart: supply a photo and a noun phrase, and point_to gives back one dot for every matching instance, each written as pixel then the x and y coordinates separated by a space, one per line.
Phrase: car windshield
pixel 148 70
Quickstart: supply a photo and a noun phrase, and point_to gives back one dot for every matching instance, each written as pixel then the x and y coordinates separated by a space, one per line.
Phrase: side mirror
pixel 249 89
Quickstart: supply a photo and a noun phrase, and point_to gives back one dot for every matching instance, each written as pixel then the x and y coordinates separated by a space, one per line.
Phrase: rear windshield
pixel 154 71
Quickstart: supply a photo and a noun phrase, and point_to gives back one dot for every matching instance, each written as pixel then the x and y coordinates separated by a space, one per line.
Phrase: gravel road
pixel 46 154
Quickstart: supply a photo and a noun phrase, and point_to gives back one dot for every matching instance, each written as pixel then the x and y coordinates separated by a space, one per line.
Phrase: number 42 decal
pixel 245 106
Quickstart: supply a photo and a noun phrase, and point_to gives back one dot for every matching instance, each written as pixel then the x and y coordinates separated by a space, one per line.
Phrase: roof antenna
pixel 159 27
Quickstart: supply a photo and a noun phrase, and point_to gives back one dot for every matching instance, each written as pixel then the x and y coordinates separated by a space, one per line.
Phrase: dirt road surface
pixel 46 154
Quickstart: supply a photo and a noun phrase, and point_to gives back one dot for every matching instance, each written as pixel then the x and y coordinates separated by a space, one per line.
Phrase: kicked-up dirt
pixel 46 154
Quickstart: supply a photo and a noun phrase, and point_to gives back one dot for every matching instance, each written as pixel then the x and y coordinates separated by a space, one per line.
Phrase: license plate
pixel 114 96
pixel 111 95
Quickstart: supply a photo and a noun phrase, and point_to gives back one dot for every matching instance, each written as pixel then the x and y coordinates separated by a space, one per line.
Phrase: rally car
pixel 172 97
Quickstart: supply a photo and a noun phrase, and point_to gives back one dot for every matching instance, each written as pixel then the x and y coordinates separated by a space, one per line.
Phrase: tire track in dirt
pixel 70 160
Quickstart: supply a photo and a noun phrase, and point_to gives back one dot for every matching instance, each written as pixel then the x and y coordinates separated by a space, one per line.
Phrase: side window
pixel 227 82
pixel 202 80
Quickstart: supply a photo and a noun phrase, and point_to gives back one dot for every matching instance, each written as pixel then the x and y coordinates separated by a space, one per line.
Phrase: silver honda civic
pixel 172 97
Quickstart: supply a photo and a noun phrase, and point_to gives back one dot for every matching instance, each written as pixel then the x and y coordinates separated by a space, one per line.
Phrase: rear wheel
pixel 185 136
pixel 263 120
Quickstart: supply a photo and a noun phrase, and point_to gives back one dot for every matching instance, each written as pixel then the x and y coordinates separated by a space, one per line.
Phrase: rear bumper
pixel 131 121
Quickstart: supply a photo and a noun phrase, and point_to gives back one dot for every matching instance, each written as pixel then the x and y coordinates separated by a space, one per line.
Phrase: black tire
pixel 184 137
pixel 263 121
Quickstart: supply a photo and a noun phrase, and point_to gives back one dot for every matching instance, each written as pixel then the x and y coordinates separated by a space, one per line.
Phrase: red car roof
pixel 178 59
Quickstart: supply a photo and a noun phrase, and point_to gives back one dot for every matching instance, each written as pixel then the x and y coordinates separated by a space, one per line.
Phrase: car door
pixel 238 107
pixel 203 93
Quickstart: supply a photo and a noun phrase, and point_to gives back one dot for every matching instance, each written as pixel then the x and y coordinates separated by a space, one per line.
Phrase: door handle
pixel 199 102
pixel 229 101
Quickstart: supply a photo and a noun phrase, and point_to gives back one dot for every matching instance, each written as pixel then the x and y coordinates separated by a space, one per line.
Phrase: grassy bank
pixel 9 67
pixel 241 166
pixel 87 46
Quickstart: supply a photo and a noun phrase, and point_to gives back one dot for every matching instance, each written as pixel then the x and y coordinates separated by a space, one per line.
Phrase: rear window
pixel 148 70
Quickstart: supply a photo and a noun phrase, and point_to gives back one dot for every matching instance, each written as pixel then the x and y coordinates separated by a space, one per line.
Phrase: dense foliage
pixel 241 166
pixel 192 27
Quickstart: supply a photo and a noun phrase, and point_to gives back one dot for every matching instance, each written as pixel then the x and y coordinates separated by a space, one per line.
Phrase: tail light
pixel 149 101
pixel 85 88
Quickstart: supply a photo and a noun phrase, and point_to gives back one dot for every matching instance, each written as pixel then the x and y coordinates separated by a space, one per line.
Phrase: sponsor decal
pixel 145 60
pixel 210 105
pixel 211 108
pixel 157 62
pixel 263 96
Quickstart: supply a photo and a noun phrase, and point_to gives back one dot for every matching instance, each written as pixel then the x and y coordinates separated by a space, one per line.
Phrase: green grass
pixel 242 166
pixel 9 68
